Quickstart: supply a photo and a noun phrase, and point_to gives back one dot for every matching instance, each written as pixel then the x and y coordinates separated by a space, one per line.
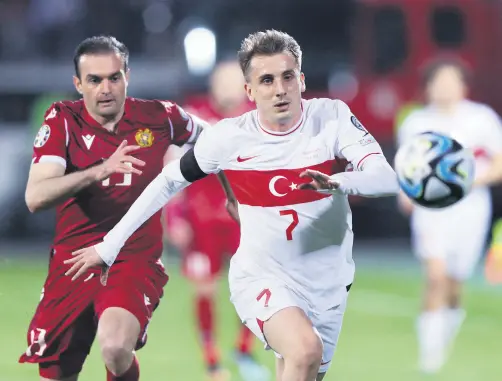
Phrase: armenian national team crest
pixel 144 138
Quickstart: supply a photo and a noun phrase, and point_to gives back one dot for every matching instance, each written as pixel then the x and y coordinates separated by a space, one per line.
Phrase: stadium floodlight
pixel 200 50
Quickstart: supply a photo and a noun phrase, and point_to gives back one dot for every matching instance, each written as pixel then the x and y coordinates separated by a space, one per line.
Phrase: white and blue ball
pixel 434 170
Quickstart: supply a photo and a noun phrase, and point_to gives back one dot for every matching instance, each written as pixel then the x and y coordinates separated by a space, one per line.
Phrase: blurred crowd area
pixel 369 53
pixel 49 29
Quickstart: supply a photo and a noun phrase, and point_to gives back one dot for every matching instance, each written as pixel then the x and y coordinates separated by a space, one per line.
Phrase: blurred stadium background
pixel 368 53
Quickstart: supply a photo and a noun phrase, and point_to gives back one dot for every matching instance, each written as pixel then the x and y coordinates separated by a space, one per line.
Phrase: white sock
pixel 454 319
pixel 431 327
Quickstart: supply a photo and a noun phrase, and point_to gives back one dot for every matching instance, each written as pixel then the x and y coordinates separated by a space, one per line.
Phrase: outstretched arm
pixel 204 158
pixel 372 176
pixel 376 179
pixel 175 176
pixel 168 183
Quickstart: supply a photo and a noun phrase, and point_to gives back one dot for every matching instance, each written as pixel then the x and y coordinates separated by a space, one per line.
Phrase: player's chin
pixel 283 115
pixel 108 109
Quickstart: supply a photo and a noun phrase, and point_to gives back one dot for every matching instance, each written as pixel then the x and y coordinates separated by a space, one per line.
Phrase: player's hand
pixel 320 181
pixel 233 210
pixel 83 260
pixel 120 162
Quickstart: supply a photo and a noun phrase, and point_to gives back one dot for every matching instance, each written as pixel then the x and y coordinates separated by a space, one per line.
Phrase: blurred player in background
pixel 289 280
pixel 92 158
pixel 450 241
pixel 199 225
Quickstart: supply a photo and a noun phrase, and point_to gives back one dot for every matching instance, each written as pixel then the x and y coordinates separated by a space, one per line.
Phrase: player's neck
pixel 447 108
pixel 280 125
pixel 109 124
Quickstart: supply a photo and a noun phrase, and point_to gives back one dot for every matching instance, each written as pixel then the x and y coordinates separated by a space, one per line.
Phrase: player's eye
pixel 267 80
pixel 288 77
pixel 93 80
pixel 115 78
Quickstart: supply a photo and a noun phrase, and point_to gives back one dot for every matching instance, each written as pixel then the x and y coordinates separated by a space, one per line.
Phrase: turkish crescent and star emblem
pixel 282 191
pixel 144 138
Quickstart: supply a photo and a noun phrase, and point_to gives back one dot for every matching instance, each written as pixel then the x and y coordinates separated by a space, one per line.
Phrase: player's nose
pixel 280 89
pixel 105 86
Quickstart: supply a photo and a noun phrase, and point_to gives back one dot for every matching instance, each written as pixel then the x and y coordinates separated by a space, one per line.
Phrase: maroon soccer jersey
pixel 71 137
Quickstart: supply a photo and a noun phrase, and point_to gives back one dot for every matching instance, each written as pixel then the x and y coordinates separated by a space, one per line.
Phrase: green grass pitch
pixel 377 342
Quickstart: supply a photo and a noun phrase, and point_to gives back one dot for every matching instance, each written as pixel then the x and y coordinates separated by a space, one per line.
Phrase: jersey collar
pixel 127 117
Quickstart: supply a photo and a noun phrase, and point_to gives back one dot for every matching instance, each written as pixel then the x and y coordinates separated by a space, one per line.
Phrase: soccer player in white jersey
pixel 290 277
pixel 450 241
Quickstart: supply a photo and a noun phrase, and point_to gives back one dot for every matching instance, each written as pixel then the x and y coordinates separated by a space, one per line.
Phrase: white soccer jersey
pixel 301 237
pixel 474 125
pixel 478 128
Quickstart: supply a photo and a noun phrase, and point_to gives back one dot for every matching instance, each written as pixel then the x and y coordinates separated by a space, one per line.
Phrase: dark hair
pixel 430 71
pixel 267 43
pixel 99 45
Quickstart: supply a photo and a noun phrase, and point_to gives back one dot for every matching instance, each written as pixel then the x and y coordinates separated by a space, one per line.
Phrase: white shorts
pixel 456 234
pixel 257 299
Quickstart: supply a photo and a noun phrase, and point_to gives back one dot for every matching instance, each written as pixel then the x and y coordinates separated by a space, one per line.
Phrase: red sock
pixel 245 341
pixel 205 323
pixel 132 374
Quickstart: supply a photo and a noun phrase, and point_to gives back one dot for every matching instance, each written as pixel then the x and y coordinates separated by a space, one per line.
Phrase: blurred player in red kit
pixel 199 226
pixel 92 158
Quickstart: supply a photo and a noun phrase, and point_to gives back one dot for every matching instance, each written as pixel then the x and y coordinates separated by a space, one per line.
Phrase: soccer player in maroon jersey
pixel 199 225
pixel 92 158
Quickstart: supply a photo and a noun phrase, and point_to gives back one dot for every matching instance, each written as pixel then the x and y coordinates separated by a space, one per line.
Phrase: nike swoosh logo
pixel 327 362
pixel 242 159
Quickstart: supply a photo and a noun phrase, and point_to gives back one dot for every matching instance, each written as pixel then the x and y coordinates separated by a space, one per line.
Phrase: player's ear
pixel 249 93
pixel 303 86
pixel 128 71
pixel 78 84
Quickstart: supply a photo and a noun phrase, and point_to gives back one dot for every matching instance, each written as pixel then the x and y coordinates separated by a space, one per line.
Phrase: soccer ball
pixel 434 170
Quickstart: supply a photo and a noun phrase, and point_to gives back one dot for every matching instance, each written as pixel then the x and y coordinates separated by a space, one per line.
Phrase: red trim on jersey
pixel 291 130
pixel 278 187
pixel 364 158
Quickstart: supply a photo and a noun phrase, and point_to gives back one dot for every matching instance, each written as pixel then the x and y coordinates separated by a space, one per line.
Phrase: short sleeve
pixel 210 149
pixel 353 141
pixel 184 128
pixel 51 141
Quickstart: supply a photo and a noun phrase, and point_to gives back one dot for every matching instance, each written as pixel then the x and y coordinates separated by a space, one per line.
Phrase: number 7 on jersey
pixel 294 223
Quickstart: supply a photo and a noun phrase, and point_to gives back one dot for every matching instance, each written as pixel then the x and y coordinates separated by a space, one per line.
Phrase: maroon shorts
pixel 63 328
pixel 211 245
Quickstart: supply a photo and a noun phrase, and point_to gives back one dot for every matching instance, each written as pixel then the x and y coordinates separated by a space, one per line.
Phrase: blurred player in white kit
pixel 450 241
pixel 286 161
